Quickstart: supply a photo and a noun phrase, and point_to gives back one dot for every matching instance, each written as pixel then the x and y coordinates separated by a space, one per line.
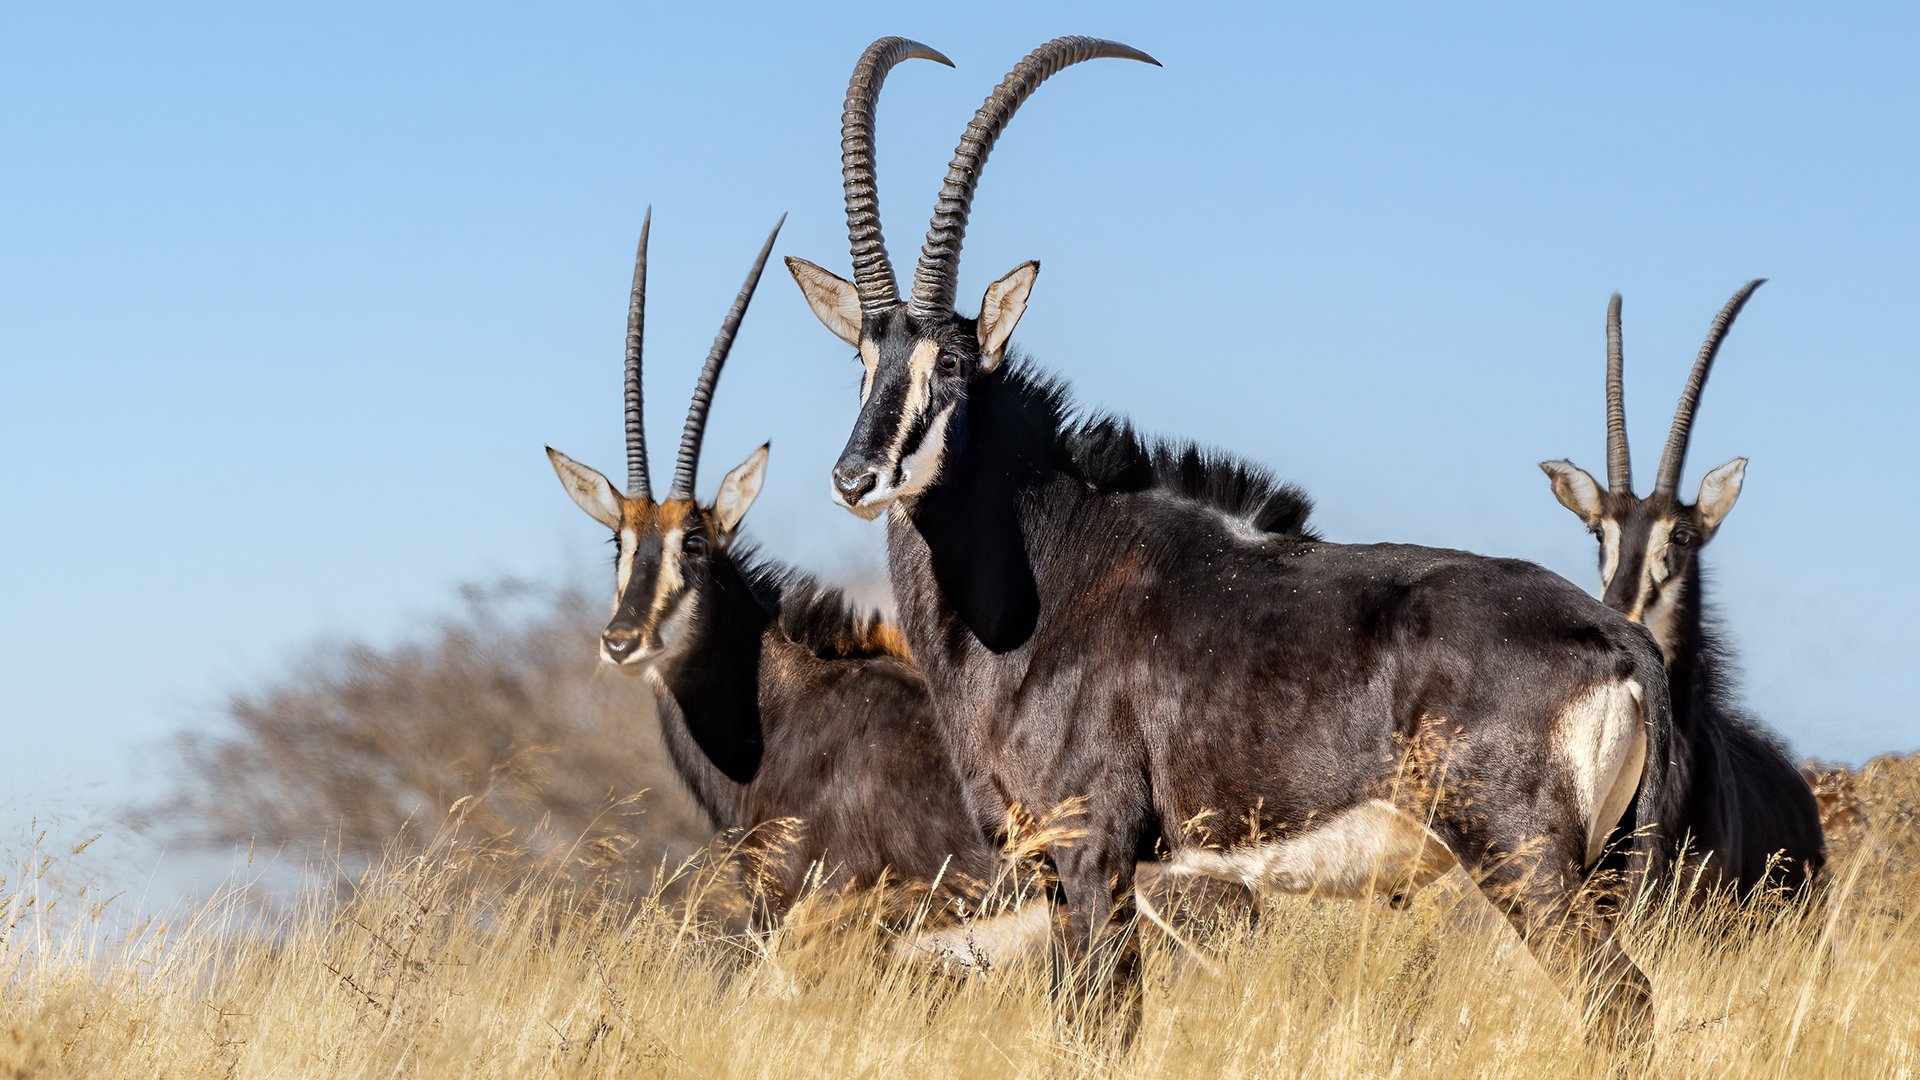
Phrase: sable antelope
pixel 1153 636
pixel 777 700
pixel 1750 813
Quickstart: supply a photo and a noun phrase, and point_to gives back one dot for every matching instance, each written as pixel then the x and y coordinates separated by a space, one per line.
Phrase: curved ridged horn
pixel 1675 455
pixel 872 270
pixel 696 429
pixel 1619 467
pixel 636 415
pixel 934 279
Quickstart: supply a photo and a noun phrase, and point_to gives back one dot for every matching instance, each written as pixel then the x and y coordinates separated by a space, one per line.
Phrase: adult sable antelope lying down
pixel 780 701
pixel 1155 631
pixel 1751 820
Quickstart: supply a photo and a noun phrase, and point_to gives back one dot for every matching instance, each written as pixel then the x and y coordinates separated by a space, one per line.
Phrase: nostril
pixel 852 486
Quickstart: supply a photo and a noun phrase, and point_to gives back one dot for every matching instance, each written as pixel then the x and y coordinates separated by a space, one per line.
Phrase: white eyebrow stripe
pixel 669 580
pixel 1653 571
pixel 1657 539
pixel 1609 551
pixel 920 377
pixel 919 396
pixel 623 573
pixel 870 358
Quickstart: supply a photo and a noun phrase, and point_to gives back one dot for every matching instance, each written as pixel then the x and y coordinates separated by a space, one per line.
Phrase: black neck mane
pixel 819 618
pixel 1703 674
pixel 1004 469
pixel 1105 452
pixel 720 736
pixel 1748 802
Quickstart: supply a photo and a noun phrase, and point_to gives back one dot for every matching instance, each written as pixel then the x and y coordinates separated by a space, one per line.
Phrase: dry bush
pixel 505 703
pixel 425 969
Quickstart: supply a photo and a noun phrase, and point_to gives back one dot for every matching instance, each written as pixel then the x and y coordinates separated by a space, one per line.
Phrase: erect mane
pixel 1107 452
pixel 819 618
pixel 1714 673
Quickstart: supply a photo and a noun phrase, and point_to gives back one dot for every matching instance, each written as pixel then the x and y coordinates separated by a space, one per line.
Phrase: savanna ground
pixel 490 944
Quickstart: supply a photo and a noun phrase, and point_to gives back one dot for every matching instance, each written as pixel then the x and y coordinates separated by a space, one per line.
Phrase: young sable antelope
pixel 1752 817
pixel 777 700
pixel 1154 635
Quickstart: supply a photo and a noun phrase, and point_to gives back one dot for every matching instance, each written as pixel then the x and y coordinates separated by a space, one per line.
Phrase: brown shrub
pixel 503 708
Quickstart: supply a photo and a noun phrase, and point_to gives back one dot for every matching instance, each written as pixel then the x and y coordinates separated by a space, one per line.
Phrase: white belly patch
pixel 1372 849
pixel 984 944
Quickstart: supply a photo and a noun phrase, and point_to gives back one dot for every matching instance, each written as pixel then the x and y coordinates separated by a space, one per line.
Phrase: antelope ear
pixel 1576 490
pixel 1000 312
pixel 739 489
pixel 589 489
pixel 1718 491
pixel 834 300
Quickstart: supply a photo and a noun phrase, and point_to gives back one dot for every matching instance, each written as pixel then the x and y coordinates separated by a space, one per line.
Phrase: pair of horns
pixel 935 277
pixel 695 430
pixel 1619 467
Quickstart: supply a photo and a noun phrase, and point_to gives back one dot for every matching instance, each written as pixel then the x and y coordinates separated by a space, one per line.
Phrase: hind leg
pixel 1571 931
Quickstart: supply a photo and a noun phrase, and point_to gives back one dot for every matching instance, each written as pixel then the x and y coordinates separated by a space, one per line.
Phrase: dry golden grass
pixel 424 968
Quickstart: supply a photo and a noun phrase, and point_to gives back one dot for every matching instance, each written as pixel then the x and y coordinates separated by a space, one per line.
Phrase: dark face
pixel 668 557
pixel 1647 553
pixel 1648 547
pixel 913 393
pixel 662 567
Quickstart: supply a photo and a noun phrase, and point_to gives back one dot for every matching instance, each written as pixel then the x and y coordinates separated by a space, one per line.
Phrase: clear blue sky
pixel 291 298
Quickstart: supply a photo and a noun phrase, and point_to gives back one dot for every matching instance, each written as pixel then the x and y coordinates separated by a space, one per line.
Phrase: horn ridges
pixel 1675 456
pixel 636 414
pixel 689 460
pixel 872 269
pixel 1619 465
pixel 935 277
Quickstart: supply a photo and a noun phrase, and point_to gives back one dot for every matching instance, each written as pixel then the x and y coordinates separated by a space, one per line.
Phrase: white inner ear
pixel 834 300
pixel 1000 312
pixel 590 490
pixel 1719 490
pixel 1576 490
pixel 739 489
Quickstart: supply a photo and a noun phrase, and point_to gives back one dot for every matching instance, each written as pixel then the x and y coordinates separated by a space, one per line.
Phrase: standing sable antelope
pixel 1151 637
pixel 1750 814
pixel 777 701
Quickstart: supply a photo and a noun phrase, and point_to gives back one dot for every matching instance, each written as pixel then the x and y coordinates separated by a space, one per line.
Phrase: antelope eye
pixel 948 363
pixel 1682 537
pixel 694 544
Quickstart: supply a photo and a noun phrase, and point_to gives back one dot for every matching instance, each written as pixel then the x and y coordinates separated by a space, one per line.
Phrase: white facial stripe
pixel 920 469
pixel 919 394
pixel 870 358
pixel 1660 595
pixel 901 474
pixel 1609 552
pixel 669 581
pixel 1655 605
pixel 1657 551
pixel 1659 620
pixel 916 473
pixel 920 378
pixel 623 573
